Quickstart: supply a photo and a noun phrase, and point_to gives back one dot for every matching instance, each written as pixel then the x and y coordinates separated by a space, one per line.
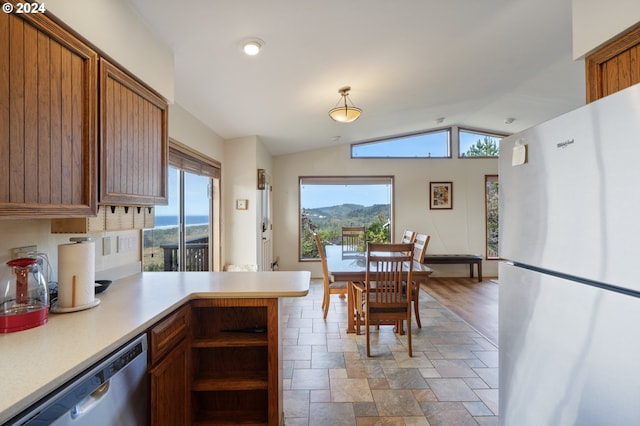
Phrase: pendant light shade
pixel 344 113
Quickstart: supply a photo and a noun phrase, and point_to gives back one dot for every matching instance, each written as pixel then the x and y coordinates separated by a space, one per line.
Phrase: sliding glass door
pixel 196 219
pixel 180 239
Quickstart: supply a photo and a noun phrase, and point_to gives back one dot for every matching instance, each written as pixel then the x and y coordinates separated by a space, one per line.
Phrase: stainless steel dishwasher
pixel 112 392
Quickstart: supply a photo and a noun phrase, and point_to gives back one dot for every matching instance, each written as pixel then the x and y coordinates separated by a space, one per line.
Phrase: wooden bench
pixel 468 259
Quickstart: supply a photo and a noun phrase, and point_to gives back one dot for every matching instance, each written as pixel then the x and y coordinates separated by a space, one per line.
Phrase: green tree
pixel 492 219
pixel 378 230
pixel 483 148
pixel 329 227
pixel 308 247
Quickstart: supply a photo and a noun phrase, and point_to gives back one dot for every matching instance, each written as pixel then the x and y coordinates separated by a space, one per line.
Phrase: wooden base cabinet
pixel 168 370
pixel 170 388
pixel 236 369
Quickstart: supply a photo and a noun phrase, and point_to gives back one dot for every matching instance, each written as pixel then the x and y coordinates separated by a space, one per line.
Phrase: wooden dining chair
pixel 330 286
pixel 408 237
pixel 385 299
pixel 420 249
pixel 353 238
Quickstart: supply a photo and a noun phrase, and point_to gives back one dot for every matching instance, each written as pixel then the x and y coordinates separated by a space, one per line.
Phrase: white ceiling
pixel 409 62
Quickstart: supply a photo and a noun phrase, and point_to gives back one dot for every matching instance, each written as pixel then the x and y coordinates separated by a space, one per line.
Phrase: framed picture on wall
pixel 440 195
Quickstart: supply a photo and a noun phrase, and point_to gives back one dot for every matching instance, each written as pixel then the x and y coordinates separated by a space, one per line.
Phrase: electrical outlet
pixel 126 243
pixel 23 251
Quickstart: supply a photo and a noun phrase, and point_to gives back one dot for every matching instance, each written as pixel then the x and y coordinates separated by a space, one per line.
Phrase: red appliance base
pixel 23 321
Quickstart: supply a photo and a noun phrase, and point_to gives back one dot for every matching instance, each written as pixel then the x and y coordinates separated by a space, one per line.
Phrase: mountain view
pixel 346 215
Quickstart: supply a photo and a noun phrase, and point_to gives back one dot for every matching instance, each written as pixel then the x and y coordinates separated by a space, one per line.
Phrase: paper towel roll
pixel 76 274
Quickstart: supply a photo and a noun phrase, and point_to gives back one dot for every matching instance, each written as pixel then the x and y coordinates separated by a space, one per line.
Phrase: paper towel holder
pixel 76 295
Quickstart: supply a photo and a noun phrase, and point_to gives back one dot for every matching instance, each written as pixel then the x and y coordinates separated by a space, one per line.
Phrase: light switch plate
pixel 106 246
pixel 242 204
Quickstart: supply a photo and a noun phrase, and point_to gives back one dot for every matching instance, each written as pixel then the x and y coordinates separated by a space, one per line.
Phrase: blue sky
pixel 432 144
pixel 196 198
pixel 314 196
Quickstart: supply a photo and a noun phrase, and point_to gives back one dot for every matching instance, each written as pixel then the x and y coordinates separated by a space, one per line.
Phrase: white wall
pixel 188 130
pixel 460 230
pixel 595 22
pixel 239 181
pixel 115 28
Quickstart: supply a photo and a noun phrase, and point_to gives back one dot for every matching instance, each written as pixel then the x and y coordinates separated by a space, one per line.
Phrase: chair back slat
pixel 420 247
pixel 388 266
pixel 386 295
pixel 353 238
pixel 408 237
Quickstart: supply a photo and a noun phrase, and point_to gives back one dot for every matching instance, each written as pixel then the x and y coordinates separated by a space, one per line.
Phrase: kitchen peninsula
pixel 38 361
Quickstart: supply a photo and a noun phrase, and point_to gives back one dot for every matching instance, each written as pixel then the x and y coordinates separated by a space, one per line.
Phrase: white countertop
pixel 37 361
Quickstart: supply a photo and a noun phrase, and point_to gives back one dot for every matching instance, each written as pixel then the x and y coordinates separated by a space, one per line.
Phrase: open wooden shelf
pixel 235 362
pixel 231 339
pixel 257 381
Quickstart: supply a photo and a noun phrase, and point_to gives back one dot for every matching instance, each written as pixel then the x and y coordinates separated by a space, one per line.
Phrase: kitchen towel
pixel 76 274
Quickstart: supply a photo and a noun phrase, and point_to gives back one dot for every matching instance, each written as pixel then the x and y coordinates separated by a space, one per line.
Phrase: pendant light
pixel 345 113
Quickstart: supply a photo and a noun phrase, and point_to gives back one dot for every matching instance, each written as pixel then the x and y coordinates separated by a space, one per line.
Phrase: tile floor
pixel 452 378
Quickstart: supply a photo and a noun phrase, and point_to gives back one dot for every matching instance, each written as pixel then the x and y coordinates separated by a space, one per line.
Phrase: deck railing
pixel 196 255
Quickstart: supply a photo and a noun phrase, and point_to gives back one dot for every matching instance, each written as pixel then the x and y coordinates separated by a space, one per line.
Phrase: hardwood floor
pixel 475 302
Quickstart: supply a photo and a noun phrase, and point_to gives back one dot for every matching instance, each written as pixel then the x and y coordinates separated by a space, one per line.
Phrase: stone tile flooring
pixel 452 378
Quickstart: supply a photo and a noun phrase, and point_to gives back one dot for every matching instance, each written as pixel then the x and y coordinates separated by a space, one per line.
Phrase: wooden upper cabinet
pixel 48 119
pixel 614 66
pixel 133 141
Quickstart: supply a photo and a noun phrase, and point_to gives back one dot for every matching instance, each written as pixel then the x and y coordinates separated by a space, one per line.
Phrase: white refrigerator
pixel 569 307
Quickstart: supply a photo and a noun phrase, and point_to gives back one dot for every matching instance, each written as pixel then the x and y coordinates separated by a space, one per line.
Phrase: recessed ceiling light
pixel 252 47
pixel 509 120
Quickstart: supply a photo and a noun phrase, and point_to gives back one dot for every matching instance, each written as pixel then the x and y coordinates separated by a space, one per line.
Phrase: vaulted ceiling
pixel 409 62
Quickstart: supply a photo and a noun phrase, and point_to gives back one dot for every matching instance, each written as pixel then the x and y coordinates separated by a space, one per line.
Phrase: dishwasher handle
pixel 90 400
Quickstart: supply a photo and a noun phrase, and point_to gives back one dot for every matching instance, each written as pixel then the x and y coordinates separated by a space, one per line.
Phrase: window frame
pixel 186 160
pixel 482 133
pixel 340 180
pixel 390 139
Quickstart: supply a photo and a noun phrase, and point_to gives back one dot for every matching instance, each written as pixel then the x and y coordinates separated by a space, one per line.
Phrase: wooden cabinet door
pixel 169 403
pixel 614 66
pixel 48 117
pixel 133 137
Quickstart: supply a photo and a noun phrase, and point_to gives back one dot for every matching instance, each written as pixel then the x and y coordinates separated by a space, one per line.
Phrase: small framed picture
pixel 440 195
pixel 242 204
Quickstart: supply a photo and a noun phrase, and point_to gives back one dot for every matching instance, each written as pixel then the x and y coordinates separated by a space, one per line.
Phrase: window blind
pixel 184 158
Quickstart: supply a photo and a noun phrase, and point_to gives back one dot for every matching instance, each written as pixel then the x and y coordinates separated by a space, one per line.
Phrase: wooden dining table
pixel 352 267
